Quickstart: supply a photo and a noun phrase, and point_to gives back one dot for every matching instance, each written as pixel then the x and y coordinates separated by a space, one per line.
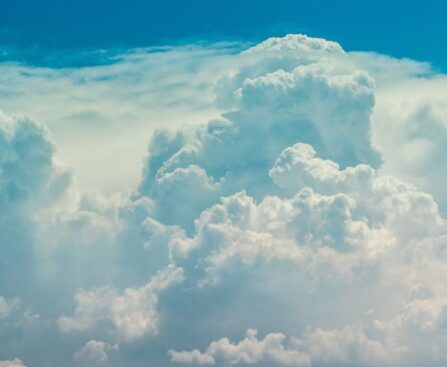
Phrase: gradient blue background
pixel 414 29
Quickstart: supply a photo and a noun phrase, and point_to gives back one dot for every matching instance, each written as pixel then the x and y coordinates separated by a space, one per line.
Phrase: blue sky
pixel 400 28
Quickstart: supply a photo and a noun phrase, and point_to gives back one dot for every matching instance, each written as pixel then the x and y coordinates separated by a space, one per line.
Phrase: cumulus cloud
pixel 349 219
pixel 30 181
pixel 315 202
pixel 313 102
pixel 248 351
pixel 348 347
pixel 282 213
pixel 133 314
pixel 93 353
pixel 27 168
pixel 129 94
pixel 366 342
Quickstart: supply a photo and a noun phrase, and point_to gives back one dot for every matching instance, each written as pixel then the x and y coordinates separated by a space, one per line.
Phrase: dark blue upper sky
pixel 415 29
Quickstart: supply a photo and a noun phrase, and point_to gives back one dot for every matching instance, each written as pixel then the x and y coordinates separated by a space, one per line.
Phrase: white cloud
pixel 248 351
pixel 348 347
pixel 276 215
pixel 316 103
pixel 297 44
pixel 12 363
pixel 414 143
pixel 139 90
pixel 6 307
pixel 192 357
pixel 350 218
pixel 93 353
pixel 133 314
pixel 28 173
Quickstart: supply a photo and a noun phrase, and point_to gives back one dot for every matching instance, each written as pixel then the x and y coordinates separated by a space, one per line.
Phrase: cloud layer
pixel 288 230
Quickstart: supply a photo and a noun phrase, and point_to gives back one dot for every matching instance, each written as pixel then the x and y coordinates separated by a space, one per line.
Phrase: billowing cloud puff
pixel 314 103
pixel 285 184
pixel 26 160
pixel 277 53
pixel 348 347
pixel 367 342
pixel 249 351
pixel 298 167
pixel 30 181
pixel 93 353
pixel 133 313
pixel 280 215
pixel 350 218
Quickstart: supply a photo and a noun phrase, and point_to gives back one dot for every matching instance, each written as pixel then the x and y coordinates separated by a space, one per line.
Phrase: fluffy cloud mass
pixel 133 314
pixel 349 346
pixel 93 353
pixel 290 229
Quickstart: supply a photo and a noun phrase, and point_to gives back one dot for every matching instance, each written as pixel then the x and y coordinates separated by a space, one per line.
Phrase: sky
pixel 247 183
pixel 398 28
